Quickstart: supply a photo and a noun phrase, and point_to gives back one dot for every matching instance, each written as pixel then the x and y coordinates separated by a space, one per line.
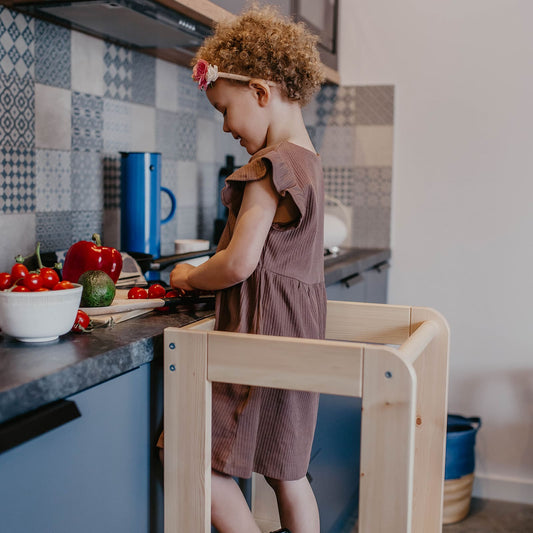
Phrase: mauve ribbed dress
pixel 270 431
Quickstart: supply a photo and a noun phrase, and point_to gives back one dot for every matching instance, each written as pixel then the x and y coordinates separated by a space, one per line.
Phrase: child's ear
pixel 261 91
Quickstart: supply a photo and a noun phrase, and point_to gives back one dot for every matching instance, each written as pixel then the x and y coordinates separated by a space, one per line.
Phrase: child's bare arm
pixel 238 261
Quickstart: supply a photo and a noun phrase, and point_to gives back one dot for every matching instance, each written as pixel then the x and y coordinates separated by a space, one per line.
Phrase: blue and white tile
pixel 373 146
pixel 325 104
pixel 206 133
pixel 227 145
pixel 87 181
pixel 88 68
pixel 371 227
pixel 87 122
pixel 187 184
pixel 339 183
pixel 188 223
pixel 17 235
pixel 166 85
pixel 118 72
pixel 17 180
pixel 53 175
pixel 111 178
pixel 54 230
pixel 343 112
pixel 372 186
pixel 17 111
pixel 118 118
pixel 17 40
pixel 85 223
pixel 52 54
pixel 207 176
pixel 176 134
pixel 188 92
pixel 143 79
pixel 52 117
pixel 143 128
pixel 374 105
pixel 337 147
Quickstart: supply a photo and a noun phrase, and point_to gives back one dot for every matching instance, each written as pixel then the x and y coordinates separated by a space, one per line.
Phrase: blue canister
pixel 460 443
pixel 141 202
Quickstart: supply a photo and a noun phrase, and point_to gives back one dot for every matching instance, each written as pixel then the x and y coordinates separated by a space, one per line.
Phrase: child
pixel 258 71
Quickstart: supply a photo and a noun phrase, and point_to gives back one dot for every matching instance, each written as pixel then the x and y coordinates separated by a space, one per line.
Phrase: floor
pixel 492 516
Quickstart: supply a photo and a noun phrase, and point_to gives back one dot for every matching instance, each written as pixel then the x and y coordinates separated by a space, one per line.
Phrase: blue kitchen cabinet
pixel 89 475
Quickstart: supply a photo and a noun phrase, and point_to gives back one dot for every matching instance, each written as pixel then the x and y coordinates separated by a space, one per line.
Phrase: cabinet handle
pixel 352 280
pixel 382 266
pixel 28 426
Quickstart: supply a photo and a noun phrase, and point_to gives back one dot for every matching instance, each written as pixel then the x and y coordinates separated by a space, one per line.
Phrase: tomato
pixel 173 293
pixel 49 276
pixel 82 322
pixel 41 289
pixel 63 285
pixel 18 271
pixel 20 288
pixel 156 291
pixel 33 282
pixel 6 281
pixel 137 293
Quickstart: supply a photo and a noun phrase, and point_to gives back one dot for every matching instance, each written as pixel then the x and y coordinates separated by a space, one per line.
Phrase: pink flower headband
pixel 204 74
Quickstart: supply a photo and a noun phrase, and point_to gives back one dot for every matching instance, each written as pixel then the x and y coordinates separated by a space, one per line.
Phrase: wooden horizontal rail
pixel 375 323
pixel 287 363
pixel 411 349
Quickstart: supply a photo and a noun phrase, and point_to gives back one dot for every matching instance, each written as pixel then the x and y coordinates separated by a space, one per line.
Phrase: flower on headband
pixel 204 73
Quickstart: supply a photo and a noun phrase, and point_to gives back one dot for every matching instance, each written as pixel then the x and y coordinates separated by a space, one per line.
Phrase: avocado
pixel 98 289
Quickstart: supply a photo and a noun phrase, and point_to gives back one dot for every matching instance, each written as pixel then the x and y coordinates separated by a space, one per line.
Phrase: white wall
pixel 462 205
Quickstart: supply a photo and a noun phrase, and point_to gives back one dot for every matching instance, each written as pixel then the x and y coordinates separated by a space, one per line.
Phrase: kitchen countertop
pixel 33 375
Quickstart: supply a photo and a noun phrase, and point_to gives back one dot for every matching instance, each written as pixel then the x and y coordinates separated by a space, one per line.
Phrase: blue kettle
pixel 141 202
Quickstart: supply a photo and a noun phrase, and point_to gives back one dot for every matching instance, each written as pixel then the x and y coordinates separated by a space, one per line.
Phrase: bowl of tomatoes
pixel 37 306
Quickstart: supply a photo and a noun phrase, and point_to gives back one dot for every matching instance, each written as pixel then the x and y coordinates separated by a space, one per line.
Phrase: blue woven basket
pixel 460 443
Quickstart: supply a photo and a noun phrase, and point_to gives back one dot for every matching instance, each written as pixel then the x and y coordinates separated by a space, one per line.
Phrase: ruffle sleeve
pixel 262 165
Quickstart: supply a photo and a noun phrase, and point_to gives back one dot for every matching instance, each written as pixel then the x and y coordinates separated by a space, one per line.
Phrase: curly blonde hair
pixel 264 44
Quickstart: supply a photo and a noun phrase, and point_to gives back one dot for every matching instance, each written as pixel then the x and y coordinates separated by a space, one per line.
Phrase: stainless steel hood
pixel 139 23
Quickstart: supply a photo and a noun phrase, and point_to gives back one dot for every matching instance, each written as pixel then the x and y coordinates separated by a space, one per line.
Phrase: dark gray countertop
pixel 33 375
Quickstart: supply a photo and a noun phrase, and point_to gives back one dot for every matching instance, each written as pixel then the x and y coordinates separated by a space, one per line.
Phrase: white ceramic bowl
pixel 39 316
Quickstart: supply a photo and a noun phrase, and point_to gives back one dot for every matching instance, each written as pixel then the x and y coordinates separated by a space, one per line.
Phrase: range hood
pixel 143 24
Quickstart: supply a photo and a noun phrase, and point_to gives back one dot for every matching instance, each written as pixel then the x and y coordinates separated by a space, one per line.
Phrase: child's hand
pixel 179 276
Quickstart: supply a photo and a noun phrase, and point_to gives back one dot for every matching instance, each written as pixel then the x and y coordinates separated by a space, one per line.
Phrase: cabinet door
pixel 376 284
pixel 90 475
pixel 352 289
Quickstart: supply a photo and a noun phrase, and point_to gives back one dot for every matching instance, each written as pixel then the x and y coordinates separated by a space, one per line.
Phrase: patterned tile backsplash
pixel 70 103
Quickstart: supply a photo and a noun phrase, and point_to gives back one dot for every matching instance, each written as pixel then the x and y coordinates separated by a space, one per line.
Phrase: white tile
pixel 166 85
pixel 118 117
pixel 142 128
pixel 52 117
pixel 373 146
pixel 87 65
pixel 338 148
pixel 17 235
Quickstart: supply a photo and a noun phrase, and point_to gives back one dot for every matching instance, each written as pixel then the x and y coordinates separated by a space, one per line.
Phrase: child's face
pixel 244 117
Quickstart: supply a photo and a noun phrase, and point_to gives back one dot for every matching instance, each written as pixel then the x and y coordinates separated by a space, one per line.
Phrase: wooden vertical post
pixel 430 431
pixel 387 442
pixel 187 472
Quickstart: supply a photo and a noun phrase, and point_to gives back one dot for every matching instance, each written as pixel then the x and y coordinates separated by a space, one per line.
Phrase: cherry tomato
pixel 18 271
pixel 49 276
pixel 156 291
pixel 82 322
pixel 20 288
pixel 137 293
pixel 63 285
pixel 173 293
pixel 41 289
pixel 33 282
pixel 6 281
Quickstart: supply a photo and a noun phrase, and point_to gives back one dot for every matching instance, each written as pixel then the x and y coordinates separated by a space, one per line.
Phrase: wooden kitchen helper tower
pixel 396 360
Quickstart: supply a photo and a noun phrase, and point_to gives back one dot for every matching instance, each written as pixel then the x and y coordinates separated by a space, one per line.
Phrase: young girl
pixel 258 71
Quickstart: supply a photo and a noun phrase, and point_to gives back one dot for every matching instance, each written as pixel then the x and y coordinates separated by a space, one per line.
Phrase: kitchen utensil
pixel 39 316
pixel 141 202
pixel 122 304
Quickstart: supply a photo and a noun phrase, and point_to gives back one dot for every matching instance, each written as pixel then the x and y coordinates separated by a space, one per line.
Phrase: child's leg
pixel 229 511
pixel 297 506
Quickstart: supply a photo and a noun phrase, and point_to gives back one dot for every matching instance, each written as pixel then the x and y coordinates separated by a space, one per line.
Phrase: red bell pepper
pixel 85 255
